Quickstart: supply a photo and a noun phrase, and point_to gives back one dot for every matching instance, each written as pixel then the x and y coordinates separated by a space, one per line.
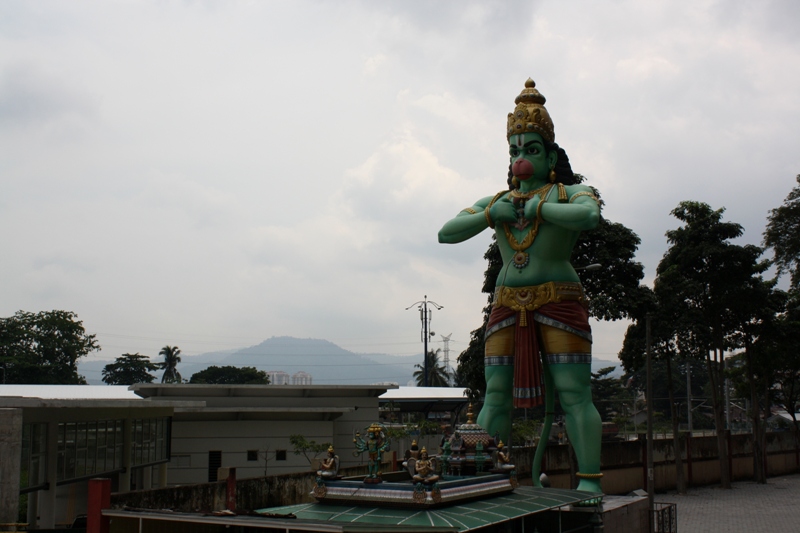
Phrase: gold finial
pixel 470 415
pixel 330 449
pixel 500 445
pixel 530 115
pixel 413 443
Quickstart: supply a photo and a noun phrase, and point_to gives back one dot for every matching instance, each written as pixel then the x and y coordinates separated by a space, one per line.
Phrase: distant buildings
pixel 279 377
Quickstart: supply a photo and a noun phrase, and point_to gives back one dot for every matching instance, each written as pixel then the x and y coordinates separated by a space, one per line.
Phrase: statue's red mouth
pixel 522 169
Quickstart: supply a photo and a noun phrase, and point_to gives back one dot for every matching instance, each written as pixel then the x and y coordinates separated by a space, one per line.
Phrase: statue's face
pixel 529 159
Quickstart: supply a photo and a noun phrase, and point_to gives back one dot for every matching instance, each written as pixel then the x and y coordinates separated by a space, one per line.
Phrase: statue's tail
pixel 549 405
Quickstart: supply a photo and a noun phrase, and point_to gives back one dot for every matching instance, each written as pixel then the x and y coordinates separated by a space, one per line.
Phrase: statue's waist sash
pixel 535 296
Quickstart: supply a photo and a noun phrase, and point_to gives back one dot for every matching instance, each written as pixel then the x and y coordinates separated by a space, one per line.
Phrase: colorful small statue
pixel 329 467
pixel 425 469
pixel 375 445
pixel 502 458
pixel 538 332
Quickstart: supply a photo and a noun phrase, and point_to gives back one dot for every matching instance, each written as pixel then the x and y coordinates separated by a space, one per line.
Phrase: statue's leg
pixel 569 364
pixel 495 415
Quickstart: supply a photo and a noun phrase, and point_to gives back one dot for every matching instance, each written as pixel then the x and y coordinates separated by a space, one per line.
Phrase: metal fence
pixel 665 517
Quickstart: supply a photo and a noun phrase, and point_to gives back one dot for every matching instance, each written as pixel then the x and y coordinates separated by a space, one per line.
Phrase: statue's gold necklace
pixel 521 257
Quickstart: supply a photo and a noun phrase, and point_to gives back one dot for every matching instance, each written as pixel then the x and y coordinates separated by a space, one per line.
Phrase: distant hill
pixel 327 363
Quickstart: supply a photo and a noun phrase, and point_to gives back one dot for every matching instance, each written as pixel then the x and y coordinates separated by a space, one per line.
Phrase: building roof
pixel 425 399
pixel 152 390
pixel 69 392
pixel 467 516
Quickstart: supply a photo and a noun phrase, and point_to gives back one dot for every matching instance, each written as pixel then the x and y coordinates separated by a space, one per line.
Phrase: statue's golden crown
pixel 530 115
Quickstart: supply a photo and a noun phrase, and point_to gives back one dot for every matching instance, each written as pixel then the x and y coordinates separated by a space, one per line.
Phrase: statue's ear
pixel 552 158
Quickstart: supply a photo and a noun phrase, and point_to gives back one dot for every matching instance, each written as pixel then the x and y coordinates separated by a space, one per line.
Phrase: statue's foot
pixel 590 485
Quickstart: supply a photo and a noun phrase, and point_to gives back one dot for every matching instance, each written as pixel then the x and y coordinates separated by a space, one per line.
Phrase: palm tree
pixel 437 374
pixel 170 365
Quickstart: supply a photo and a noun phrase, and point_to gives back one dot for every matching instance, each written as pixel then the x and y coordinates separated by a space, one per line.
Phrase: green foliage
pixel 44 347
pixel 307 448
pixel 437 374
pixel 525 431
pixel 783 235
pixel 171 355
pixel 608 393
pixel 613 290
pixel 129 369
pixel 230 375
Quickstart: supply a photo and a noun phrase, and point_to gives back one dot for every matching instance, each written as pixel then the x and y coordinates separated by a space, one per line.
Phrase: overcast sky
pixel 211 174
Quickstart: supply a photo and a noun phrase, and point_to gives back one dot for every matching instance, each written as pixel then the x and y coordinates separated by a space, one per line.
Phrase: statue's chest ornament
pixel 519 199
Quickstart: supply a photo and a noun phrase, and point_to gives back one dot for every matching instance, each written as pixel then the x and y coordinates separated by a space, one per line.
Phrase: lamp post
pixel 650 477
pixel 425 317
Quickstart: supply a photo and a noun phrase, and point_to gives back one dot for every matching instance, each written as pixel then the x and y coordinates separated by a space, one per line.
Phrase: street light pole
pixel 650 476
pixel 425 317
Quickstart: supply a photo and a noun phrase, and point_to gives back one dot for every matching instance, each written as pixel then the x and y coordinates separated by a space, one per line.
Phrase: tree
pixel 129 369
pixel 171 356
pixel 307 448
pixel 704 289
pixel 783 235
pixel 437 374
pixel 44 347
pixel 230 375
pixel 608 393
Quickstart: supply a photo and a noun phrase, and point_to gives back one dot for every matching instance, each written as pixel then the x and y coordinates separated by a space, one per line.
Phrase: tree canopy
pixel 44 347
pixel 710 297
pixel 230 375
pixel 128 369
pixel 437 374
pixel 783 235
pixel 171 355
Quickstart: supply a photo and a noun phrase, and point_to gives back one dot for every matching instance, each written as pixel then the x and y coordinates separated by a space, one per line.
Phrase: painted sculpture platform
pixel 471 466
pixel 455 489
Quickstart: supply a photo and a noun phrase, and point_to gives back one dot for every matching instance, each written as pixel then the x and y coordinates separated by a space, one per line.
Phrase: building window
pixel 252 455
pixel 280 455
pixel 214 462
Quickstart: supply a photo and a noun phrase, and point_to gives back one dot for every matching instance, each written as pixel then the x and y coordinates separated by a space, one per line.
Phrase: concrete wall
pixel 624 463
pixel 191 442
pixel 197 433
pixel 255 493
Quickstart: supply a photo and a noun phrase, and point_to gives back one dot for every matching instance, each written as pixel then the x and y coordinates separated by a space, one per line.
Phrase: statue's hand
pixel 503 211
pixel 530 207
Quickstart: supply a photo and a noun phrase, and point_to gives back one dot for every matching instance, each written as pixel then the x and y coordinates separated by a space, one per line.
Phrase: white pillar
pixel 125 477
pixel 147 478
pixel 11 450
pixel 47 498
pixel 162 475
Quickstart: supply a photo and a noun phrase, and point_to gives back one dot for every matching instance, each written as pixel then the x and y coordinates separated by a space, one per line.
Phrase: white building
pixel 278 377
pixel 54 438
pixel 249 426
pixel 301 378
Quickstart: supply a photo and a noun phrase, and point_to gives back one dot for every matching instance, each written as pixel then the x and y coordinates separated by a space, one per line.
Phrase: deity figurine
pixel 425 471
pixel 502 458
pixel 329 467
pixel 538 339
pixel 375 445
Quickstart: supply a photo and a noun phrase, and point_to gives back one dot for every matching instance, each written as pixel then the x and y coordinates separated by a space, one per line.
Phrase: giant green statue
pixel 538 338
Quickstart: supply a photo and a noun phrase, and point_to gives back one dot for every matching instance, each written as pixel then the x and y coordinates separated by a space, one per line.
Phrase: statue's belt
pixel 533 297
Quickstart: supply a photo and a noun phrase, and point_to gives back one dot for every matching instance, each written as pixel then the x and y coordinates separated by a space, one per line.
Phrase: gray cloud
pixel 215 174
